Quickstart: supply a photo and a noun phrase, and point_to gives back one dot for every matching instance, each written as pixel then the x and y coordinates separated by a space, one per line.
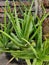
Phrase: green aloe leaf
pixel 33 49
pixel 17 20
pixel 15 42
pixel 46 58
pixel 15 37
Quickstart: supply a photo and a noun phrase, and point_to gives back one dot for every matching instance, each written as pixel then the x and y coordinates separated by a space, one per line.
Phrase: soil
pixel 46 28
pixel 4 60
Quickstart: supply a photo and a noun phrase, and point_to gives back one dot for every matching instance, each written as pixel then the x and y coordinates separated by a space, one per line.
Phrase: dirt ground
pixel 4 60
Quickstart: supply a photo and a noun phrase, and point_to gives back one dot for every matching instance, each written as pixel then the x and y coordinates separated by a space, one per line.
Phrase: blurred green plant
pixel 6 28
pixel 26 40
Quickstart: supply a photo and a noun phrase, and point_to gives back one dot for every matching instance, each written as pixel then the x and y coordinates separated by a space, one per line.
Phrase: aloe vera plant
pixel 26 38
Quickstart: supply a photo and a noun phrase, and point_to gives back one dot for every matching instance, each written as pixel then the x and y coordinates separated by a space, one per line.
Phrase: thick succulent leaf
pixel 17 20
pixel 46 46
pixel 12 46
pixel 39 40
pixel 34 61
pixel 46 58
pixel 28 21
pixel 27 28
pixel 28 61
pixel 16 38
pixel 38 62
pixel 24 22
pixel 23 54
pixel 34 33
pixel 31 47
pixel 1 45
pixel 44 17
pixel 12 39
